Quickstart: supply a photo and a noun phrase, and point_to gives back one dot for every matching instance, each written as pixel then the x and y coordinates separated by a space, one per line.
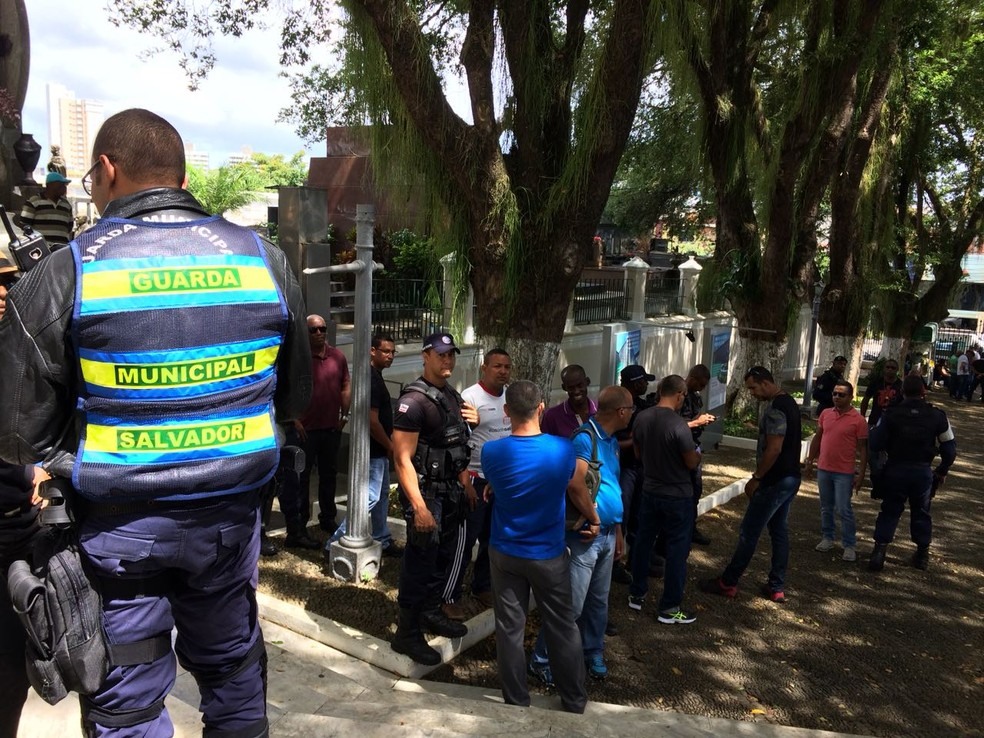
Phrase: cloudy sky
pixel 73 44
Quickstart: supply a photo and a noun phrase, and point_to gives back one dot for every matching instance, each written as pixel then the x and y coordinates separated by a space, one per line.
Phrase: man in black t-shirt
pixel 770 490
pixel 19 529
pixel 381 355
pixel 430 455
pixel 823 390
pixel 882 393
pixel 666 446
pixel 692 411
pixel 636 380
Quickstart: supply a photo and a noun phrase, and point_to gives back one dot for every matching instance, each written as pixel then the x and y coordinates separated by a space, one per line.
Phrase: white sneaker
pixel 850 554
pixel 825 545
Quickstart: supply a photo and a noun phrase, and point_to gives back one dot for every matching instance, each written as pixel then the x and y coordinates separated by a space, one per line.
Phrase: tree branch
pixel 477 53
pixel 400 37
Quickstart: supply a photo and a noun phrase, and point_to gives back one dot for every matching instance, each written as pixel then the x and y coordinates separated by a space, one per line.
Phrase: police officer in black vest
pixel 911 433
pixel 430 454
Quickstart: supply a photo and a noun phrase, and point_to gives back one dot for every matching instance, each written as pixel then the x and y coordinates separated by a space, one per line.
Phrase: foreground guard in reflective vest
pixel 177 355
pixel 148 364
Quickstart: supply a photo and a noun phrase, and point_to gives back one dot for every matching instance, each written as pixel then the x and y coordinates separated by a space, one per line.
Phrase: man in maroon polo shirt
pixel 572 413
pixel 320 428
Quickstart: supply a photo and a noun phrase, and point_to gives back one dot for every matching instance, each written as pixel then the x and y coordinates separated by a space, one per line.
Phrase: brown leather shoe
pixel 486 598
pixel 454 611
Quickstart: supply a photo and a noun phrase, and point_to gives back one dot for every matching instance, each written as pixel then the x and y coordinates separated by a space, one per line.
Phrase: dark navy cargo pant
pixel 200 566
pixel 906 484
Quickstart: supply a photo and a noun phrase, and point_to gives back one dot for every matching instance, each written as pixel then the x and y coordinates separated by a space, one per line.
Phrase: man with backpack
pixel 597 451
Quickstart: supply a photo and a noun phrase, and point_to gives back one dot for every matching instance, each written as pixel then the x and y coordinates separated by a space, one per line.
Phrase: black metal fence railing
pixel 600 301
pixel 408 309
pixel 662 292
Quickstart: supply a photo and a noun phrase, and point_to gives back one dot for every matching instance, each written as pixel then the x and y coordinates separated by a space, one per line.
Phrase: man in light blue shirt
pixel 592 559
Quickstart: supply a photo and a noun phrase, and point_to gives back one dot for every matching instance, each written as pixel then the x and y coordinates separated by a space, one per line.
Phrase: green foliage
pixel 413 256
pixel 659 178
pixel 225 188
pixel 275 170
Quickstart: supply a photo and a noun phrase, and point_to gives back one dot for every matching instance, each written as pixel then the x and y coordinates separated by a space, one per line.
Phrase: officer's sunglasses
pixel 317 329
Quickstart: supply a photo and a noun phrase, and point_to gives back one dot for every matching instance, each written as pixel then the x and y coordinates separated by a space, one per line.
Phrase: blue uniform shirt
pixel 609 501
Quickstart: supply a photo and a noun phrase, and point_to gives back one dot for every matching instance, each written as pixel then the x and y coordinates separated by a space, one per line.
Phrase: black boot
pixel 876 562
pixel 920 559
pixel 409 640
pixel 267 547
pixel 435 621
pixel 297 537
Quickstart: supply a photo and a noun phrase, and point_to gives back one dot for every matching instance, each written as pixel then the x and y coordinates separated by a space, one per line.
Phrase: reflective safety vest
pixel 177 328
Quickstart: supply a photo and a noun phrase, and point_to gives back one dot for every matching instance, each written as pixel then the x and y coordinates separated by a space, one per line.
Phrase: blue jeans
pixel 769 506
pixel 836 489
pixel 378 503
pixel 673 518
pixel 591 578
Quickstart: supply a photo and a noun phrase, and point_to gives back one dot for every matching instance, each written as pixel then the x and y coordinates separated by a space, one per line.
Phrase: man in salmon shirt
pixel 842 435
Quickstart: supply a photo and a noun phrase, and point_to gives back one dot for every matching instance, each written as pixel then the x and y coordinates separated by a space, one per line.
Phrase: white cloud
pixel 74 44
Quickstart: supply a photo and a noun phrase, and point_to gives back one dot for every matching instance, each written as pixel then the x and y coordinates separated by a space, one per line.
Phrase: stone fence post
pixel 689 274
pixel 467 311
pixel 636 271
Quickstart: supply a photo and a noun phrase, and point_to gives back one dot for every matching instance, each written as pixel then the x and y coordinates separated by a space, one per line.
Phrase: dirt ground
pixel 899 653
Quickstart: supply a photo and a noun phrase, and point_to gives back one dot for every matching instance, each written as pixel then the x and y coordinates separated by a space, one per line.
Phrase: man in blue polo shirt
pixel 529 473
pixel 592 559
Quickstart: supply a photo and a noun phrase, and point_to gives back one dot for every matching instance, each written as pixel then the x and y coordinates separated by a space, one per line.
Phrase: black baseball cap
pixel 841 358
pixel 442 343
pixel 634 372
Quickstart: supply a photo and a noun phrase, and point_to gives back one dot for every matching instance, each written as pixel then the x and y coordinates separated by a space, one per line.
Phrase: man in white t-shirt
pixel 488 396
pixel 964 374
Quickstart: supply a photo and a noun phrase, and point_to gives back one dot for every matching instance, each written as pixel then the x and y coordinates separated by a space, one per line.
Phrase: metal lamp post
pixel 810 356
pixel 356 557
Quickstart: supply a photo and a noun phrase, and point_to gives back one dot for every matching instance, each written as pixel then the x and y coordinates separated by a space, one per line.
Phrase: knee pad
pixel 218 676
pixel 93 715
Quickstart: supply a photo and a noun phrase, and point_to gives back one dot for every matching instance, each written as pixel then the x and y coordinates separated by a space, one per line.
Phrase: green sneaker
pixel 676 616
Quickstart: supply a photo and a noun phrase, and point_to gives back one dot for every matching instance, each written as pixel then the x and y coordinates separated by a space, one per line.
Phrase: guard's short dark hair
pixel 913 385
pixel 144 146
pixel 497 351
pixel 523 398
pixel 700 371
pixel 672 384
pixel 379 338
pixel 844 383
pixel 759 374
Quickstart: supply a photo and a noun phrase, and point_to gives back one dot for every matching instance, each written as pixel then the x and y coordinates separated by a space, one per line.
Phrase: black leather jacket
pixel 39 372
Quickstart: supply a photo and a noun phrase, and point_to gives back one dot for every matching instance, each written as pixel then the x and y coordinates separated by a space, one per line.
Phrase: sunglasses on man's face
pixel 840 394
pixel 317 329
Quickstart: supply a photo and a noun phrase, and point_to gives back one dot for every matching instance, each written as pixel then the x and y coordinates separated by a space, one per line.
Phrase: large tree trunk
pixel 847 346
pixel 752 350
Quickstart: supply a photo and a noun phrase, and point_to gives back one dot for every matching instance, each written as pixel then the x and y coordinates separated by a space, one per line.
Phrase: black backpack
pixel 592 479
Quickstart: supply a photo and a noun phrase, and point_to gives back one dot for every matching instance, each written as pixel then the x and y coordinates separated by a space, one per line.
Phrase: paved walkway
pixel 315 690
